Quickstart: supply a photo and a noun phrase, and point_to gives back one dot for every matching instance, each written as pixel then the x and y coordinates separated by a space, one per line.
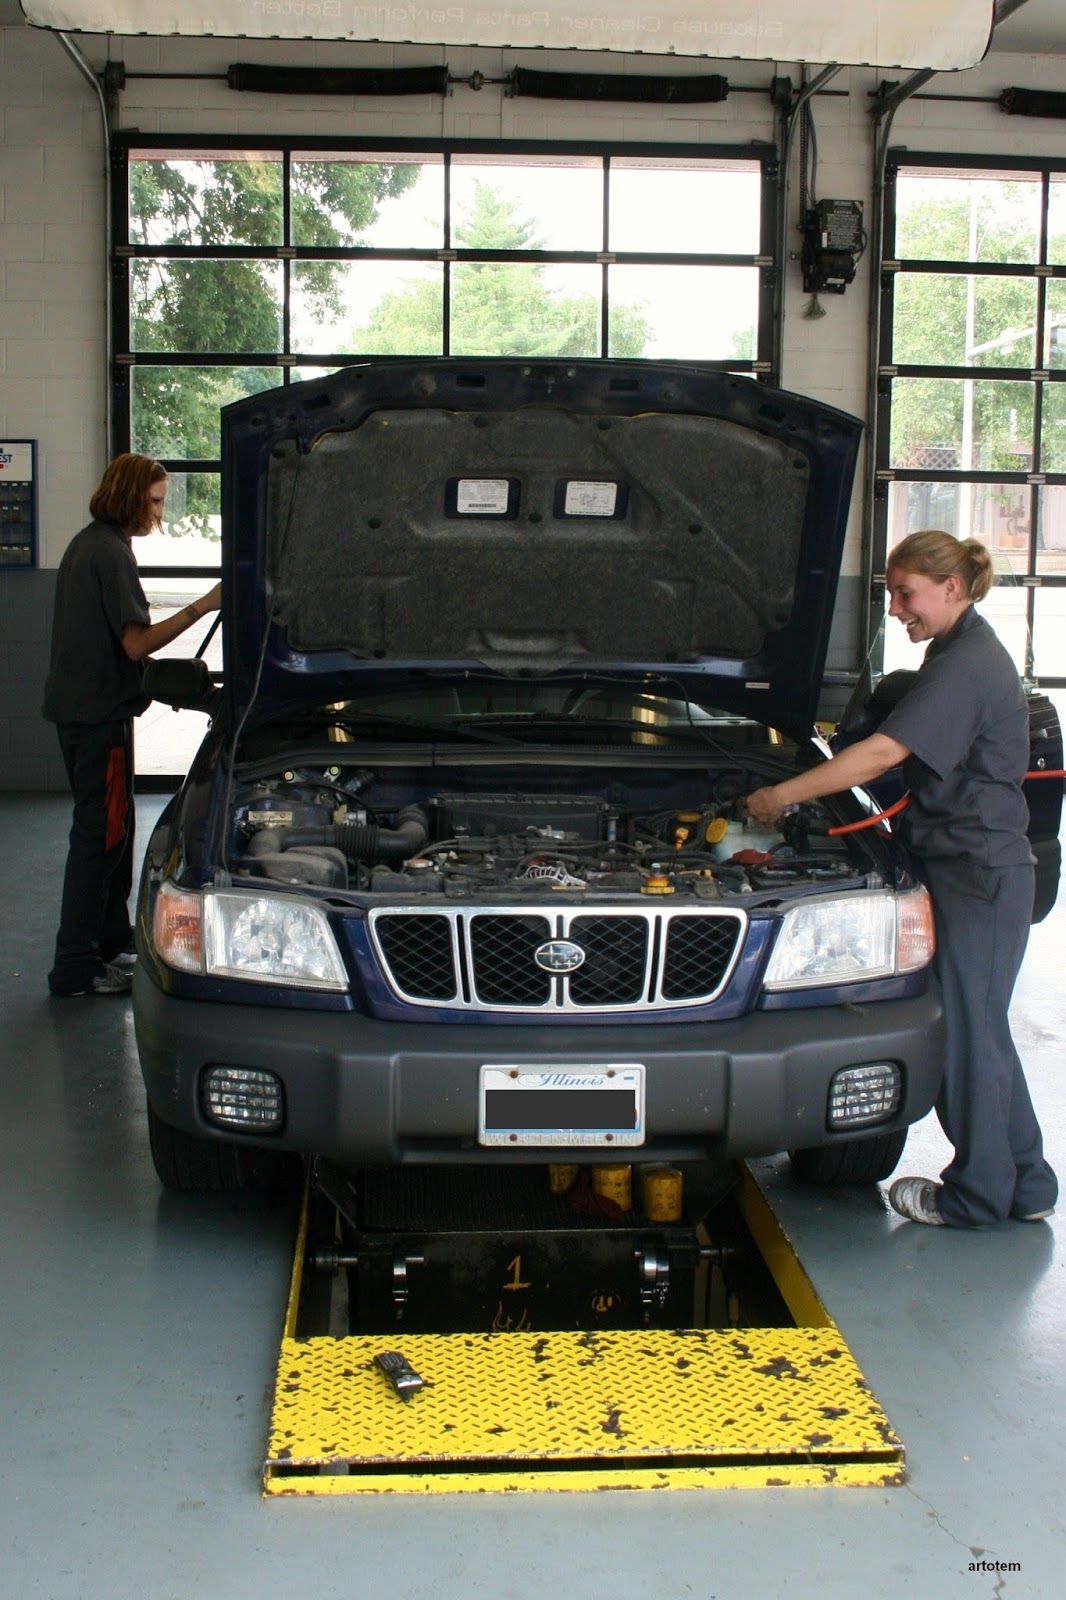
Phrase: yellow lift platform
pixel 511 1408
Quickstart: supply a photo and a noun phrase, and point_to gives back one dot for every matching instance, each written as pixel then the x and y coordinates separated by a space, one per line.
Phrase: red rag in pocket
pixel 115 801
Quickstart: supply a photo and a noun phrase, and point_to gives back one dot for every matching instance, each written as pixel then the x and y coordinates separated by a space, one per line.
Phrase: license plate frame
pixel 604 1102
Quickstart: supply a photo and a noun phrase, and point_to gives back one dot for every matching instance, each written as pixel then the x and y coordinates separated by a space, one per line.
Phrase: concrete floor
pixel 139 1331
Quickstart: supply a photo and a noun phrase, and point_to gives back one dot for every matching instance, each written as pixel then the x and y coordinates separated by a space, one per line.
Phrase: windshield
pixel 496 711
pixel 634 713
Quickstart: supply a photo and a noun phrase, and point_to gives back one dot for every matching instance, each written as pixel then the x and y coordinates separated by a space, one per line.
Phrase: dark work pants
pixel 94 922
pixel 982 919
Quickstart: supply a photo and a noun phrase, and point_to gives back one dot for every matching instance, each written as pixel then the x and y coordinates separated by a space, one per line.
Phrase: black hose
pixel 363 841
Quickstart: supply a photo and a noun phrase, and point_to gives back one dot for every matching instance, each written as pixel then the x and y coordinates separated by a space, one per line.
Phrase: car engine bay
pixel 341 829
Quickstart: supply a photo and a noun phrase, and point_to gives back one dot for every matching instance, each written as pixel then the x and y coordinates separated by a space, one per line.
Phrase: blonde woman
pixel 961 733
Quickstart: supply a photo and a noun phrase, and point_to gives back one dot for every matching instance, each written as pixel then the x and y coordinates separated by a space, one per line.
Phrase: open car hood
pixel 532 518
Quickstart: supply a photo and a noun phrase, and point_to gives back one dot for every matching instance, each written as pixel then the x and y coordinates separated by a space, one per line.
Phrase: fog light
pixel 243 1097
pixel 859 1096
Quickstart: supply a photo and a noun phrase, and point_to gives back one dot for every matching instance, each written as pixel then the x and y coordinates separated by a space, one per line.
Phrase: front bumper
pixel 370 1092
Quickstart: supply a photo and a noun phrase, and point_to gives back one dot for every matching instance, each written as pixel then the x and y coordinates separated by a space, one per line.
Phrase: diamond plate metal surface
pixel 696 1393
pixel 644 1408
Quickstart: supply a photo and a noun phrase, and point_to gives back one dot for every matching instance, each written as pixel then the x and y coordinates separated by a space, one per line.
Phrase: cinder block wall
pixel 52 247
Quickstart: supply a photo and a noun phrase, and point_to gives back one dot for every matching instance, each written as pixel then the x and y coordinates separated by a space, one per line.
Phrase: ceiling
pixel 1037 28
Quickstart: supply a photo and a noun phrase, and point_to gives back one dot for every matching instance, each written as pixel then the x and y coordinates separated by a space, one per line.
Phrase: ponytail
pixel 938 555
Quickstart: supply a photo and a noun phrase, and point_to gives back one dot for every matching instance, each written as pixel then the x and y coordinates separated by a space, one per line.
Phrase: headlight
pixel 851 939
pixel 262 938
pixel 270 940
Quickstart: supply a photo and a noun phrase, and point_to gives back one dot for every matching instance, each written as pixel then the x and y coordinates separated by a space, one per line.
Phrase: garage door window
pixel 972 424
pixel 236 270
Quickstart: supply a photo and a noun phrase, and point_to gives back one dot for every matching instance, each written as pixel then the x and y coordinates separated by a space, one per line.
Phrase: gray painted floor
pixel 138 1333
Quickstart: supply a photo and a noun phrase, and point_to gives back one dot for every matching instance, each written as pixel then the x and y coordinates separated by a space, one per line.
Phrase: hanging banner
pixel 938 34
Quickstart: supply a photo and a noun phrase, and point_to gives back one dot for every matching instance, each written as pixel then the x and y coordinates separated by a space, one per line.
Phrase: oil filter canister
pixel 662 1192
pixel 614 1183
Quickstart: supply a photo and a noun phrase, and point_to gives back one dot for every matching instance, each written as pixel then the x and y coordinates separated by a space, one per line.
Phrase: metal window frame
pixel 128 145
pixel 1041 271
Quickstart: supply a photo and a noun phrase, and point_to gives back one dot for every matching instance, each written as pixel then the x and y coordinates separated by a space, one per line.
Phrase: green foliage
pixel 1053 458
pixel 969 220
pixel 210 305
pixel 498 308
pixel 949 319
pixel 743 343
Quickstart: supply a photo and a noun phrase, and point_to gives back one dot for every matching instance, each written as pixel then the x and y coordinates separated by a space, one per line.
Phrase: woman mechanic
pixel 962 732
pixel 101 633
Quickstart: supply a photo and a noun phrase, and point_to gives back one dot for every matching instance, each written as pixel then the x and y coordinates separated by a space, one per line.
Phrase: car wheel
pixel 188 1164
pixel 851 1161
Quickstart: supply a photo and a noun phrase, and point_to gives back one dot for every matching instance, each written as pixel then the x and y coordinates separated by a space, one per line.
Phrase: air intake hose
pixel 363 841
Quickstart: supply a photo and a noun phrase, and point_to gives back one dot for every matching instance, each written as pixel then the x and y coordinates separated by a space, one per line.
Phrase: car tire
pixel 188 1164
pixel 850 1161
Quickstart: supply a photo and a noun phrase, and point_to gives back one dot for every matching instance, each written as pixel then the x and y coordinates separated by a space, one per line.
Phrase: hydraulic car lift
pixel 492 1330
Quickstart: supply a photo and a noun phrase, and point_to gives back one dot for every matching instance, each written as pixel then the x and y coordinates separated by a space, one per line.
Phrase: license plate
pixel 540 1105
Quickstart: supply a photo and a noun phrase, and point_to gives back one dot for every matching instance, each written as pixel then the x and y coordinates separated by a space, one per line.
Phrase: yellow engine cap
pixel 658 883
pixel 716 831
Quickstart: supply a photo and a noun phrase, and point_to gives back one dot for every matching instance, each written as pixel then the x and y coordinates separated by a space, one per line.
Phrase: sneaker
pixel 109 980
pixel 915 1199
pixel 1033 1216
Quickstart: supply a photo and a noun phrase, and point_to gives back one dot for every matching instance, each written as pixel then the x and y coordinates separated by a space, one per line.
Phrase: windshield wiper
pixel 419 727
pixel 541 720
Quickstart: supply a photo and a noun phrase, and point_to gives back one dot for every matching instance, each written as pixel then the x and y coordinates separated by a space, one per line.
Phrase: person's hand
pixel 211 601
pixel 763 806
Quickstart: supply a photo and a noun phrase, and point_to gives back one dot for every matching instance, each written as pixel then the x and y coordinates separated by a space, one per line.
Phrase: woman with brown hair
pixel 101 633
pixel 961 733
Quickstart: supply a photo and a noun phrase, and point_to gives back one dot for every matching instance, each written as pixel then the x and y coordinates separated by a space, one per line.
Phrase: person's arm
pixel 856 765
pixel 140 639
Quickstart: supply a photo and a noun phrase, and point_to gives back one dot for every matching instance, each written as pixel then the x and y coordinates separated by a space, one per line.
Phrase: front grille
pixel 418 953
pixel 695 947
pixel 501 960
pixel 487 960
pixel 616 960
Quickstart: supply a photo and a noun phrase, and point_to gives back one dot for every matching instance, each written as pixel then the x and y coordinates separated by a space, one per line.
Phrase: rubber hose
pixel 365 841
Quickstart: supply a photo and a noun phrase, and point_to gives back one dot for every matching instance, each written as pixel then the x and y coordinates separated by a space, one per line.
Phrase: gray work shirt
pixel 98 594
pixel 965 722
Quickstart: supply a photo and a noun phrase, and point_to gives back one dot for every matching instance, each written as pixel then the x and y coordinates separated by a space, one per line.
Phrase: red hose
pixel 882 816
pixel 868 822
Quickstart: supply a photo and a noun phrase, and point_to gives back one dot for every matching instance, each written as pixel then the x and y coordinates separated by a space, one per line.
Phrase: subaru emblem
pixel 559 955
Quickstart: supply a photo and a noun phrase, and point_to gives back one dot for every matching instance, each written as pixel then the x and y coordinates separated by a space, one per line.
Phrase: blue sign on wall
pixel 18 503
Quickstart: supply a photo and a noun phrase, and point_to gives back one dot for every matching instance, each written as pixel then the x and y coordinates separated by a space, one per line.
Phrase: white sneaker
pixel 915 1199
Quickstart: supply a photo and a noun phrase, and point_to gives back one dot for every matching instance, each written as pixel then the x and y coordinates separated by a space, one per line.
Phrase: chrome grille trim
pixel 485 943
